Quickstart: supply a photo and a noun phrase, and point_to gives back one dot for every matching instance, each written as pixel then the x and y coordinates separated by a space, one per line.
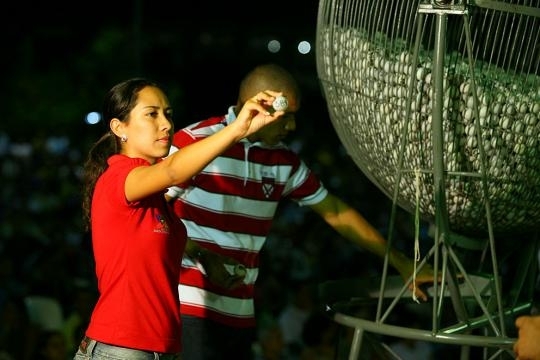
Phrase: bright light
pixel 92 118
pixel 274 46
pixel 304 47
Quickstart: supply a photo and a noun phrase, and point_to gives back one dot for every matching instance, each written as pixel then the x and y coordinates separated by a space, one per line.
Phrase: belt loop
pixel 87 346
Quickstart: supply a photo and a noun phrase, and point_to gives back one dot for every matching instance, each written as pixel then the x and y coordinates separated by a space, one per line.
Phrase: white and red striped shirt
pixel 229 208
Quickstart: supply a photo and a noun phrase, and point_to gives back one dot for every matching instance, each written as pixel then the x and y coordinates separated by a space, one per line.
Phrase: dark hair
pixel 118 103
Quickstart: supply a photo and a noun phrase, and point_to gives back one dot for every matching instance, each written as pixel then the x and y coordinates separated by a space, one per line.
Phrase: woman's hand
pixel 256 113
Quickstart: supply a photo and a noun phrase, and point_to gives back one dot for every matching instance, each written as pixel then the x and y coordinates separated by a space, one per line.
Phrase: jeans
pixel 93 350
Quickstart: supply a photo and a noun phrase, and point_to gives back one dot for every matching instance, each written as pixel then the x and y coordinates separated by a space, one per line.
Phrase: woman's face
pixel 150 127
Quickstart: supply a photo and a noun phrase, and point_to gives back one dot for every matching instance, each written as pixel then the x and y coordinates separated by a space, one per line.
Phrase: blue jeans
pixel 93 350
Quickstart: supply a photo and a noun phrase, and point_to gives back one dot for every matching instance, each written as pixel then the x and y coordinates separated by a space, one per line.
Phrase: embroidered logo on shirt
pixel 162 226
pixel 268 185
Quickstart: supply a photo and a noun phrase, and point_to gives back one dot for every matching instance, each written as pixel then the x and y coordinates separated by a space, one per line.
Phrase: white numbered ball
pixel 280 103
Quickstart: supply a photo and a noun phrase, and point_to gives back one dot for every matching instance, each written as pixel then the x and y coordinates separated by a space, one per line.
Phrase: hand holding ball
pixel 238 270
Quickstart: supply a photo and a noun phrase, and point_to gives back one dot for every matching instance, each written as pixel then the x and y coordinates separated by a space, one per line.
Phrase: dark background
pixel 59 58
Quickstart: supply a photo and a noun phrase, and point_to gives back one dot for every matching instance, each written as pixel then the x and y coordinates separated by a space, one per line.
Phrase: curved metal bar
pixel 512 8
pixel 424 335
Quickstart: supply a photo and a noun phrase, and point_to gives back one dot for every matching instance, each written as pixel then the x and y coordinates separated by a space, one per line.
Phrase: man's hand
pixel 425 276
pixel 221 270
pixel 406 268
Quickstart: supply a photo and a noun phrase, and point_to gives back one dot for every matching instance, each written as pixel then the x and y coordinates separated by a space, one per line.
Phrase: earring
pixel 123 138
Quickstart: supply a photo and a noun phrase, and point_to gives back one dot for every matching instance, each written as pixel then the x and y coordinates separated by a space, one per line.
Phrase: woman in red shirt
pixel 137 240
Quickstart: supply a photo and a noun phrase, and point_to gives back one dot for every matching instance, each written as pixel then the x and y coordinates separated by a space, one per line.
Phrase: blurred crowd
pixel 43 252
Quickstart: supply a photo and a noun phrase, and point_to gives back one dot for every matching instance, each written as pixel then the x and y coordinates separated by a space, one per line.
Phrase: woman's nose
pixel 166 124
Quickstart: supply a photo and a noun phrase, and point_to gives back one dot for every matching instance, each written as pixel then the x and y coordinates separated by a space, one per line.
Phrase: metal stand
pixel 488 328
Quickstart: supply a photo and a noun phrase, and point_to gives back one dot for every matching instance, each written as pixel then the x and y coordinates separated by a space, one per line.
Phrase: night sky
pixel 60 58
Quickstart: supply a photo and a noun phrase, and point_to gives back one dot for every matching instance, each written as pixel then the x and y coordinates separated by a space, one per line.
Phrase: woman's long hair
pixel 118 103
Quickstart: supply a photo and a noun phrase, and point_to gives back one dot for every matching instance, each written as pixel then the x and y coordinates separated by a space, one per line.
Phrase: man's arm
pixel 353 226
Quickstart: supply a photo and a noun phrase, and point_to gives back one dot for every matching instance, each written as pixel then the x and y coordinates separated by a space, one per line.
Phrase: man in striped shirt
pixel 228 211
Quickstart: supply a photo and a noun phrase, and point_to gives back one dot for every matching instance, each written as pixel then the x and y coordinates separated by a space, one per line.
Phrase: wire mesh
pixel 379 93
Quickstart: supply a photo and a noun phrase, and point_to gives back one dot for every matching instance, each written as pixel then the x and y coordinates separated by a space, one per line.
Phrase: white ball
pixel 280 103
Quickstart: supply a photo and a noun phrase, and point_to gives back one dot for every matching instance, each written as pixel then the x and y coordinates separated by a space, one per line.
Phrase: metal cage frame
pixel 493 308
